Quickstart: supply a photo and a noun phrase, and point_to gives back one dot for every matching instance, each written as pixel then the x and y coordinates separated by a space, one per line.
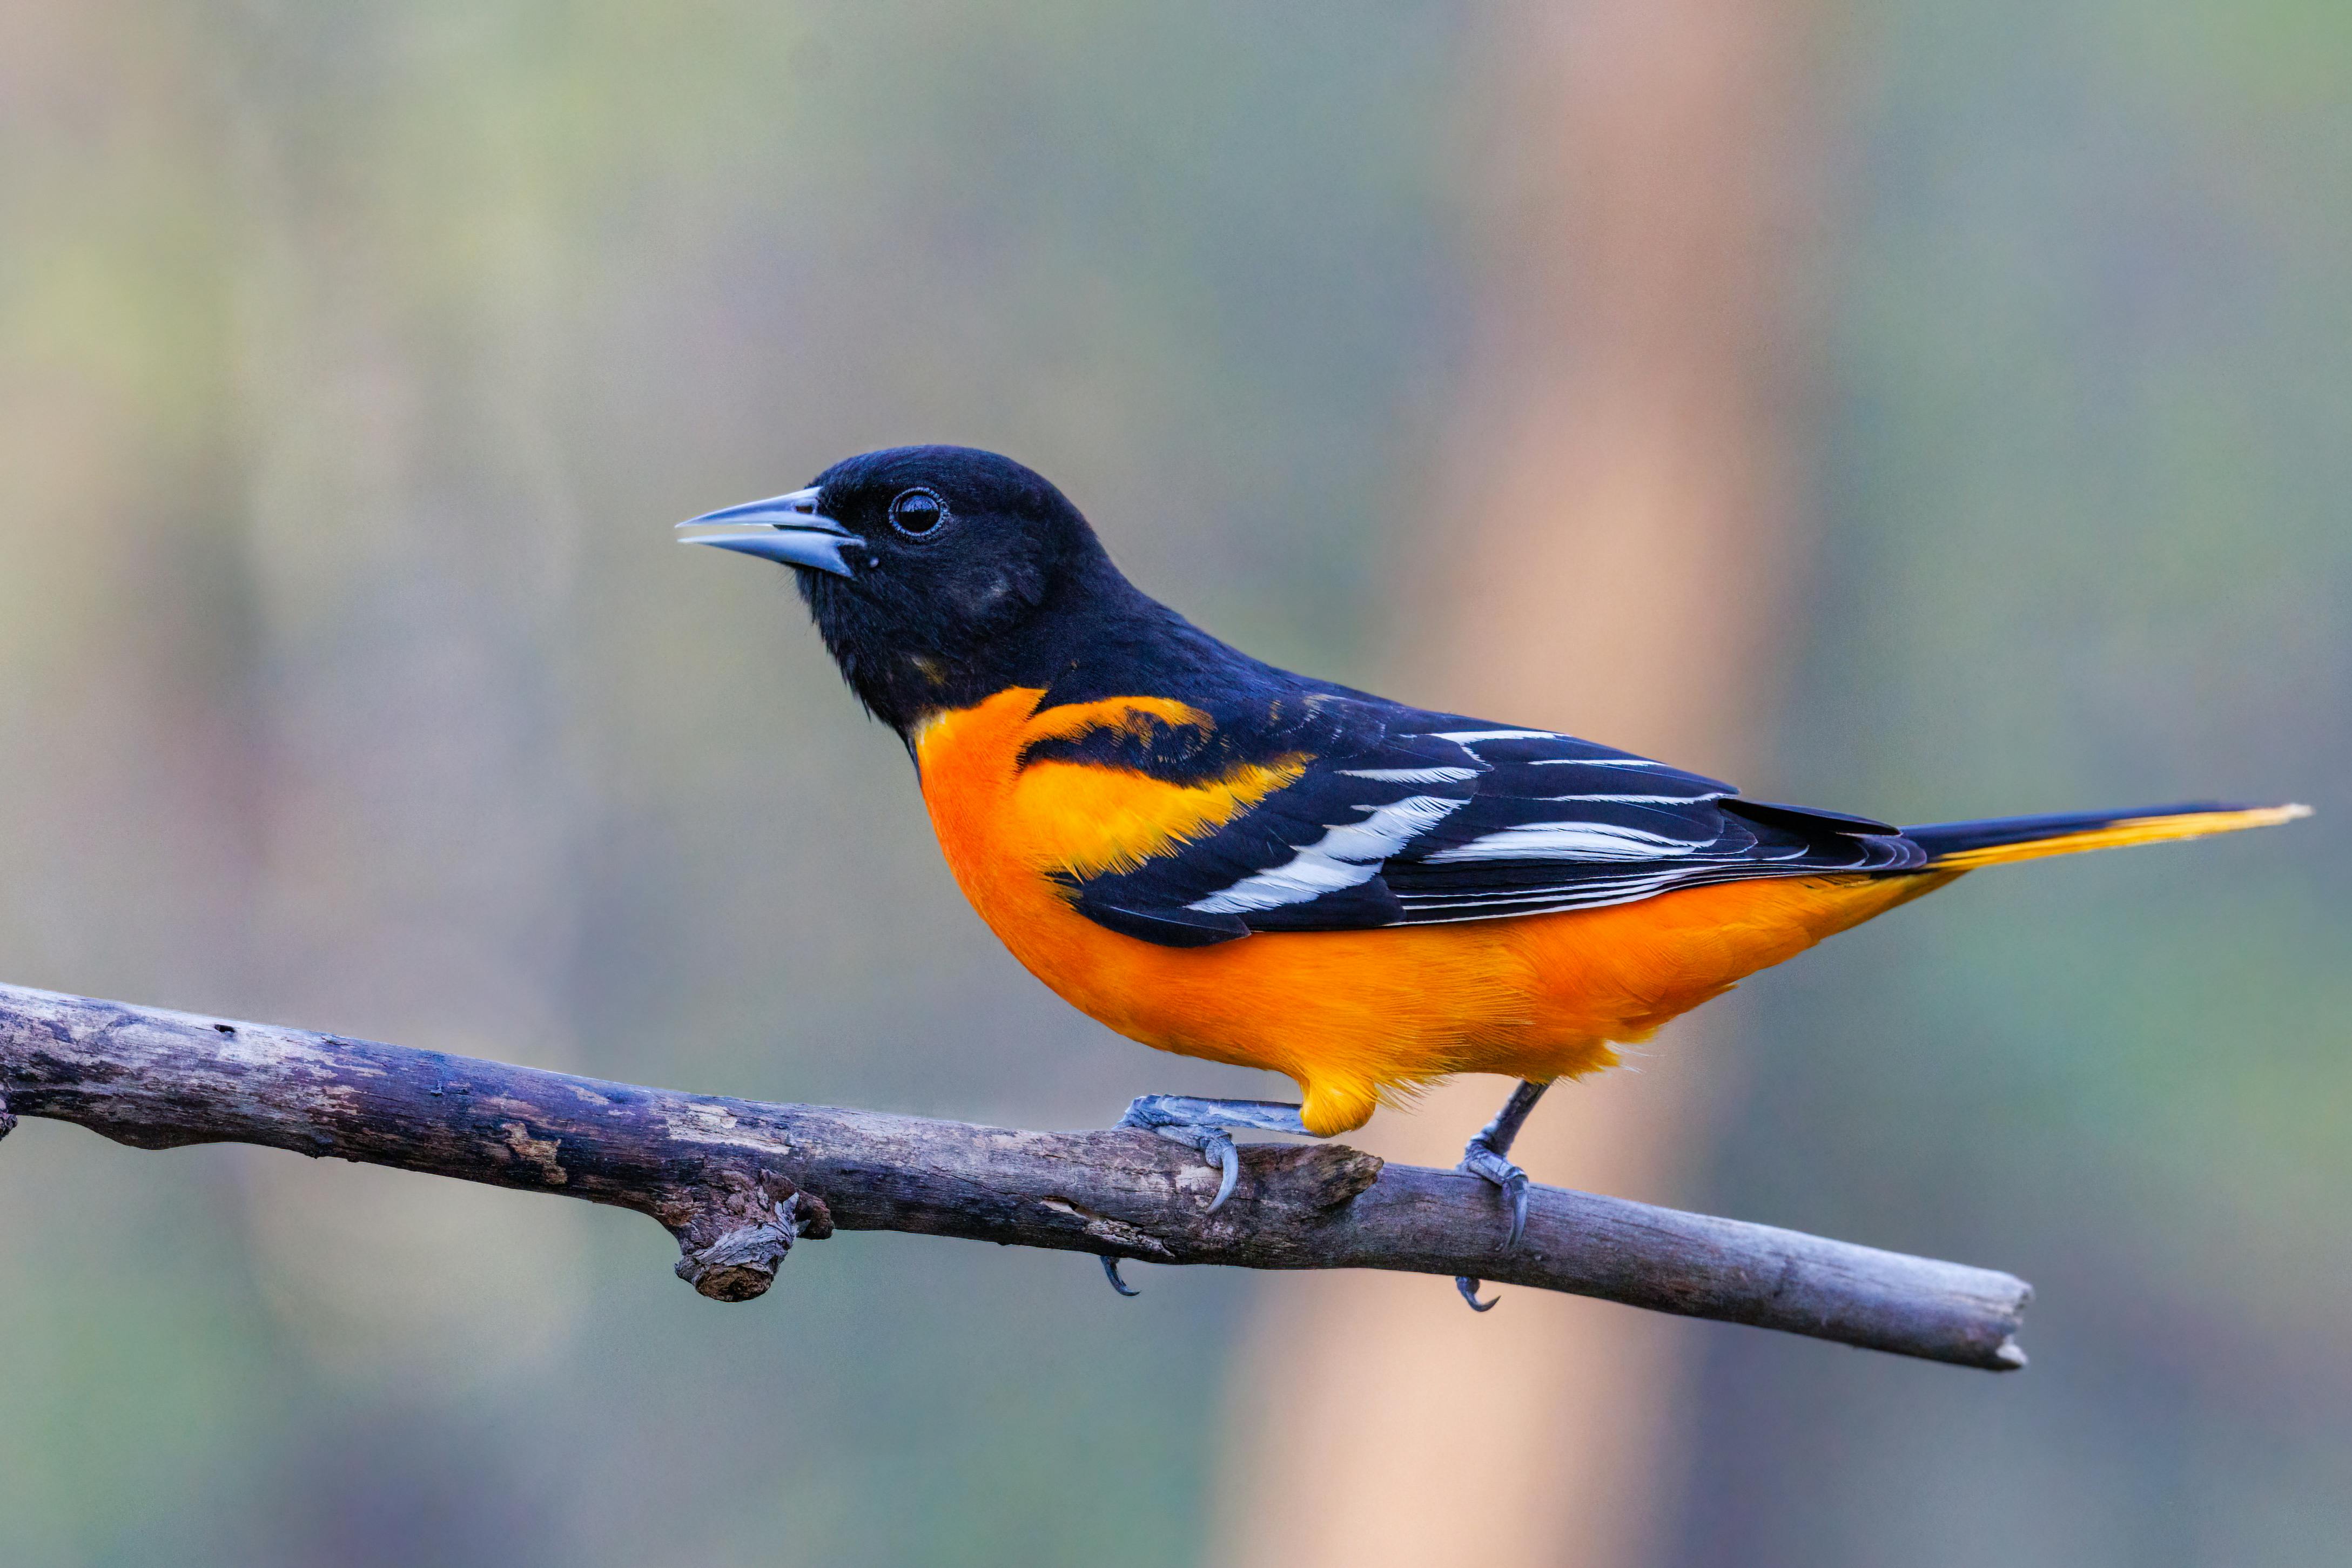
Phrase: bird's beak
pixel 788 528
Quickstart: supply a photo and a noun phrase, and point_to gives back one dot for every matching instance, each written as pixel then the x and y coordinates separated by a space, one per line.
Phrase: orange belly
pixel 1351 1016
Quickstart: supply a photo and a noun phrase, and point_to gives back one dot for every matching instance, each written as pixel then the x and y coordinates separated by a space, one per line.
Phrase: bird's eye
pixel 918 512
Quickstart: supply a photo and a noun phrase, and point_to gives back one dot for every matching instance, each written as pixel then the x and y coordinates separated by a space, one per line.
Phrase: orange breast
pixel 1352 1016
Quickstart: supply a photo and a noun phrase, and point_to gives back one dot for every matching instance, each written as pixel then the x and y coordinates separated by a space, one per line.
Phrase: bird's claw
pixel 1171 1117
pixel 1218 1149
pixel 1110 1273
pixel 1487 1157
pixel 1481 1161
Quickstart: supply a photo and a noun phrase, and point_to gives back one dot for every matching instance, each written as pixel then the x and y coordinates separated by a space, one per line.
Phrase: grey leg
pixel 1487 1157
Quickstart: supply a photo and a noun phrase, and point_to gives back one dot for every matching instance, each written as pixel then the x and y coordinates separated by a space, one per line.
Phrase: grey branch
pixel 738 1182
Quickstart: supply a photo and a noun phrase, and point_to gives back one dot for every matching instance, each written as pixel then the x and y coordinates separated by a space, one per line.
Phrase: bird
pixel 1225 860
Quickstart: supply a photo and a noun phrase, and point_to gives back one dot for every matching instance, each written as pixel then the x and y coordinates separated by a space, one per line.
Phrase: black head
pixel 927 570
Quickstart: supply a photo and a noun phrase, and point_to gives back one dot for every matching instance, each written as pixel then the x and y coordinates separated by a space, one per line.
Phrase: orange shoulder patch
pixel 1131 715
pixel 1074 818
pixel 1085 819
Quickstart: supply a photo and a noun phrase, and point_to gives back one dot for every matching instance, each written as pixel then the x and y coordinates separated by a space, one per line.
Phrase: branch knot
pixel 737 1237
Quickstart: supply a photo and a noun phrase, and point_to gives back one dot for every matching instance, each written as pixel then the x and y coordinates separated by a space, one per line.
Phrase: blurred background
pixel 1917 410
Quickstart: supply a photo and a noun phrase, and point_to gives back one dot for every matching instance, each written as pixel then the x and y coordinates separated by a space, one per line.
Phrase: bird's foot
pixel 1200 1125
pixel 1482 1159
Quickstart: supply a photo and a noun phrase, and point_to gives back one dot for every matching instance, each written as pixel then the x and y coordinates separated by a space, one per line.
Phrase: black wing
pixel 1404 817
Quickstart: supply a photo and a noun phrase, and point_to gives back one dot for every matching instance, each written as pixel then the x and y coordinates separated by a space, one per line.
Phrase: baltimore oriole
pixel 1223 859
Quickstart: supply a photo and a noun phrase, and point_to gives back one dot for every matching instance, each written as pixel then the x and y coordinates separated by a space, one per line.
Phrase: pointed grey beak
pixel 788 528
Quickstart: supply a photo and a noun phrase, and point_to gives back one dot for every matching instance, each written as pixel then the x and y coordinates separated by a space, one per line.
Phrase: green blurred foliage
pixel 2088 545
pixel 356 361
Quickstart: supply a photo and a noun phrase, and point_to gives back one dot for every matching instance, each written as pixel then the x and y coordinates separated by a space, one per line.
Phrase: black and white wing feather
pixel 1403 816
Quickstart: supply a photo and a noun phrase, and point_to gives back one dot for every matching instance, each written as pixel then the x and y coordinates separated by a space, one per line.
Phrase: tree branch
pixel 738 1181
